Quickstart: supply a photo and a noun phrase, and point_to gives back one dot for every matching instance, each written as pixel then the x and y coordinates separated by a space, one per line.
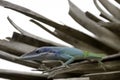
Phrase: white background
pixel 56 10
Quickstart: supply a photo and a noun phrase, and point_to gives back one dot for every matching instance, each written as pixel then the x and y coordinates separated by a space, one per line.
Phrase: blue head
pixel 39 54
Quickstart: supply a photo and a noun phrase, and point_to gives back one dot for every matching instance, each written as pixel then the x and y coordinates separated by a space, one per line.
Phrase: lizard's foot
pixel 51 75
pixel 102 65
pixel 42 68
pixel 64 66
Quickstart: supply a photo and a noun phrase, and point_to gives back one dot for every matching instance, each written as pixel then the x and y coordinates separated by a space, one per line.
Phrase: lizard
pixel 64 54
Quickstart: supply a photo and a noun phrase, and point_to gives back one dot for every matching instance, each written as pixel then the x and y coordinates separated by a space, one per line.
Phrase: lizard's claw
pixel 64 66
pixel 60 67
pixel 55 68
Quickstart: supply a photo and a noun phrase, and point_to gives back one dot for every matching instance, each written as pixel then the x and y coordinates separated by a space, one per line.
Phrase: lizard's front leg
pixel 64 64
pixel 68 62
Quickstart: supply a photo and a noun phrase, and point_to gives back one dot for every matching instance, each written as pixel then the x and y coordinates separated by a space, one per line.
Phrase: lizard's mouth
pixel 33 56
pixel 28 57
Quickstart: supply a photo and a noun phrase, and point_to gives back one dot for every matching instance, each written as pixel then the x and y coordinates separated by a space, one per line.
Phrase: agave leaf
pixel 109 17
pixel 31 35
pixel 111 8
pixel 118 1
pixel 102 34
pixel 92 17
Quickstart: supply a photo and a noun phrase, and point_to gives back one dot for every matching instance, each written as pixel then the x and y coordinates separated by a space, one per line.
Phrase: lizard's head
pixel 91 55
pixel 37 54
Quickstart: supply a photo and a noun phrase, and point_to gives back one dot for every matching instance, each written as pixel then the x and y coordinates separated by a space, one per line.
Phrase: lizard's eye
pixel 37 51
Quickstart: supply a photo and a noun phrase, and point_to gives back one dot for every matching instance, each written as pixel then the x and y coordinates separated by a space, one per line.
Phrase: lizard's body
pixel 65 54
